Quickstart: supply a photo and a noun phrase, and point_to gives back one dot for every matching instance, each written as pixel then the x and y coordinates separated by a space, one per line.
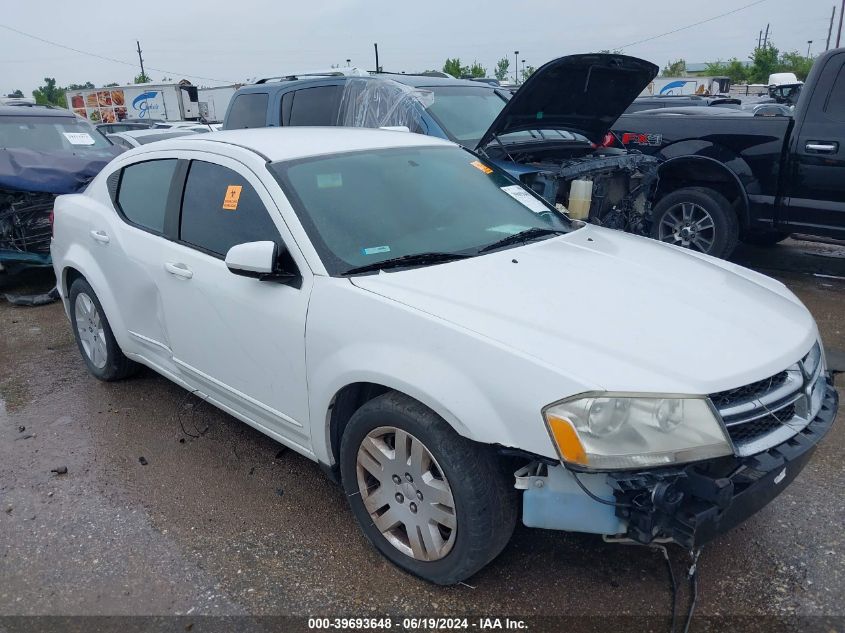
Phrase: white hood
pixel 623 312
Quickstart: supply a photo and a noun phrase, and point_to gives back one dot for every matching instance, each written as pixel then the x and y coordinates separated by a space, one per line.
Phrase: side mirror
pixel 258 260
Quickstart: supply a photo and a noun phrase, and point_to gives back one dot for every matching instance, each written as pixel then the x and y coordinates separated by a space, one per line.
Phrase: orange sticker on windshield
pixel 233 194
pixel 479 165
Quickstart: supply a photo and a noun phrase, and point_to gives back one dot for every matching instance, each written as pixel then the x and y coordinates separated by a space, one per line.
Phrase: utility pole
pixel 516 65
pixel 522 73
pixel 141 59
pixel 348 63
pixel 830 28
pixel 378 69
pixel 809 44
pixel 766 36
pixel 839 34
pixel 760 39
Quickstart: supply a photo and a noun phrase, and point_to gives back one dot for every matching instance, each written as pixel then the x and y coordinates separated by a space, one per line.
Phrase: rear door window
pixel 221 209
pixel 142 193
pixel 315 106
pixel 248 110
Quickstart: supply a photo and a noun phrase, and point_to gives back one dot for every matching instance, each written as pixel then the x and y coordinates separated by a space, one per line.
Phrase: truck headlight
pixel 606 431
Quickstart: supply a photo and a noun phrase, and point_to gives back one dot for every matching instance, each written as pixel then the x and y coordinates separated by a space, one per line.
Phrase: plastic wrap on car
pixel 381 102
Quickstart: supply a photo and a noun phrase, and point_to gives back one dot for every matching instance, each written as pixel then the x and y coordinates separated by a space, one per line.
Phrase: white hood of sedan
pixel 623 312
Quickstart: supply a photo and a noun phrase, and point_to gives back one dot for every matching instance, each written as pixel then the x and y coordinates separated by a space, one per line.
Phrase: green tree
pixel 764 62
pixel 615 51
pixel 732 68
pixel 453 67
pixel 142 79
pixel 502 68
pixel 111 85
pixel 86 86
pixel 49 93
pixel 475 70
pixel 795 62
pixel 677 68
pixel 527 72
pixel 16 93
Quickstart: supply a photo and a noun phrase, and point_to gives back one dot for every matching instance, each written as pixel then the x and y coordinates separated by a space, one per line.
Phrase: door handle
pixel 178 269
pixel 822 147
pixel 100 236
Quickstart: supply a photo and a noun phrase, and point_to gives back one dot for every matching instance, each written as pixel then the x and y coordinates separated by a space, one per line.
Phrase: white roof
pixel 287 143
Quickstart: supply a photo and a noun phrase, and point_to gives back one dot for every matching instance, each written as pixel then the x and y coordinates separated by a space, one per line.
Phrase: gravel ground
pixel 221 521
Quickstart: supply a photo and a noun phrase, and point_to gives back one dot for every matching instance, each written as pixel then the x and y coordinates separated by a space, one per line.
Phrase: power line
pixel 689 26
pixel 104 57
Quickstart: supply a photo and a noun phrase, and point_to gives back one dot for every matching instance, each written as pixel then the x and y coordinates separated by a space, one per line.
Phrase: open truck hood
pixel 578 93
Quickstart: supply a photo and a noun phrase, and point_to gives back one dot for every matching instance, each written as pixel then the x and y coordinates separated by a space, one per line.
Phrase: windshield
pixel 47 133
pixel 465 113
pixel 365 207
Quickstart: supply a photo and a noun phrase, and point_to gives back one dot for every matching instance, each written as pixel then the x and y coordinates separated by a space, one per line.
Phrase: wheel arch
pixel 79 264
pixel 702 171
pixel 352 396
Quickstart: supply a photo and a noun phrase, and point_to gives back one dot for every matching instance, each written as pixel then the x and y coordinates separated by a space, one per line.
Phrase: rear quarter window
pixel 142 193
pixel 248 110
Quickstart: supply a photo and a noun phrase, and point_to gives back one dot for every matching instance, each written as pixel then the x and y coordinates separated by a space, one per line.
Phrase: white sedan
pixel 443 342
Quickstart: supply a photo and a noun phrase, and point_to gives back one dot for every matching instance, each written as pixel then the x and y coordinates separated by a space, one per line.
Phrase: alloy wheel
pixel 689 225
pixel 406 494
pixel 92 336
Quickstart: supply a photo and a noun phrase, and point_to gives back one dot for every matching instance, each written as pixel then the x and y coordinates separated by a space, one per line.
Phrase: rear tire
pixel 473 493
pixel 764 238
pixel 94 337
pixel 697 218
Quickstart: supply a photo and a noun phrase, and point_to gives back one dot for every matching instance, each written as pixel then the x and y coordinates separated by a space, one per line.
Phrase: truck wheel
pixel 99 349
pixel 764 238
pixel 697 218
pixel 432 502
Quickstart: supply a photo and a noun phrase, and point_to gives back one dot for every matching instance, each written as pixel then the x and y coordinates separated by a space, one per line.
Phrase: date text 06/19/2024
pixel 419 623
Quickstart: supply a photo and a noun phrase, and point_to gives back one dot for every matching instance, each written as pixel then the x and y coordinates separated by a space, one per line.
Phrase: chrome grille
pixel 765 413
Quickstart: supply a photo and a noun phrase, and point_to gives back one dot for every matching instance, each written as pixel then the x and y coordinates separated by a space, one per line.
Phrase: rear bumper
pixel 693 505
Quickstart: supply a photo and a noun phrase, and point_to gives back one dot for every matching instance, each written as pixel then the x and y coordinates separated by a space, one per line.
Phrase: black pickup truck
pixel 754 179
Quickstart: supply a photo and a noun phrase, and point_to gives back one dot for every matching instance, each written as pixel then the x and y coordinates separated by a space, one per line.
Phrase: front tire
pixel 94 337
pixel 432 502
pixel 697 218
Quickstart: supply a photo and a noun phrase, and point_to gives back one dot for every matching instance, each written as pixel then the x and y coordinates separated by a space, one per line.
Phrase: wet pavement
pixel 219 519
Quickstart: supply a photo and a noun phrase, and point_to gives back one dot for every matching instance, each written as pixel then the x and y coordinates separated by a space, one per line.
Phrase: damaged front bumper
pixel 25 228
pixel 687 505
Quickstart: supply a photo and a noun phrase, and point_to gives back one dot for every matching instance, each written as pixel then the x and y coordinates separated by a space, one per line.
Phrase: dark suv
pixel 44 152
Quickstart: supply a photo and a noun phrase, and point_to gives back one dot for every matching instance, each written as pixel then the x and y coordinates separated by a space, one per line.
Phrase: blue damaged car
pixel 44 152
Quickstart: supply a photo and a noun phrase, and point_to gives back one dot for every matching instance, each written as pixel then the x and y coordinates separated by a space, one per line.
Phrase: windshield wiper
pixel 417 259
pixel 523 236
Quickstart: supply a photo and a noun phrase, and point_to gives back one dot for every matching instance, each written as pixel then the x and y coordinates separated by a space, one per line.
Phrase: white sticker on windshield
pixel 509 229
pixel 522 196
pixel 375 250
pixel 79 138
pixel 329 181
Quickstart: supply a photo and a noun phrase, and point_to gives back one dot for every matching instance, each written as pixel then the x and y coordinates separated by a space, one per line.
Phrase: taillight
pixel 608 140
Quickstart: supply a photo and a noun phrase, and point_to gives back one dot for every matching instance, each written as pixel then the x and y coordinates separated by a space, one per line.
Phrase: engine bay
pixel 619 185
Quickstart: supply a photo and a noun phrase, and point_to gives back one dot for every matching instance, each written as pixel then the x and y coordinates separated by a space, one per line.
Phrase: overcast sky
pixel 255 38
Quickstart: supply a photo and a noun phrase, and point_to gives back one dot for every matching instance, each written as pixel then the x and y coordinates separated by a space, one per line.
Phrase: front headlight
pixel 605 431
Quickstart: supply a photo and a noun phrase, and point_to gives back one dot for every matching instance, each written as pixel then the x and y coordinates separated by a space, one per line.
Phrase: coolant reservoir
pixel 580 197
